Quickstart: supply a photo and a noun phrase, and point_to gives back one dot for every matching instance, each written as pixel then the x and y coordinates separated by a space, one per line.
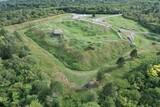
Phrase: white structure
pixel 57 32
pixel 78 16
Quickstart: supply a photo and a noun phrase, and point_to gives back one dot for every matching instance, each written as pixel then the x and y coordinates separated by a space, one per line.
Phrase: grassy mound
pixel 83 46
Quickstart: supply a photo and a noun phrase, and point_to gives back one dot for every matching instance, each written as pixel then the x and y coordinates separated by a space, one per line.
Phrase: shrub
pixel 6 52
pixel 100 75
pixel 154 71
pixel 134 53
pixel 158 53
pixel 121 61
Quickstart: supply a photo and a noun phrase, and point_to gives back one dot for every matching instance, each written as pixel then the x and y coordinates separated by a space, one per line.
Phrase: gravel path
pixel 102 22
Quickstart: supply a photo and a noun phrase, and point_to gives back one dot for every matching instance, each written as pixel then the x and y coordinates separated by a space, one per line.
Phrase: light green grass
pixel 141 41
pixel 46 61
pixel 49 64
pixel 73 48
pixel 126 24
pixel 79 30
pixel 44 47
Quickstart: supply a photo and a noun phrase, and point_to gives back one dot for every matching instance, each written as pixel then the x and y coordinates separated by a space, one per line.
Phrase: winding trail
pixel 102 22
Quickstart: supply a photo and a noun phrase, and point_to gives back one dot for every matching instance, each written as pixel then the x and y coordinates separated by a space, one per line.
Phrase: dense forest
pixel 23 84
pixel 18 11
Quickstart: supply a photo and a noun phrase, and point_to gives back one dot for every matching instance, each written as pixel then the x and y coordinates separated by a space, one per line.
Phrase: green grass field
pixel 84 48
pixel 83 45
pixel 126 24
pixel 142 41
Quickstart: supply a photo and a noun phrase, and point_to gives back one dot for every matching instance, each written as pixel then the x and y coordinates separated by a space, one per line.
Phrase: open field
pixel 77 55
pixel 126 24
pixel 83 45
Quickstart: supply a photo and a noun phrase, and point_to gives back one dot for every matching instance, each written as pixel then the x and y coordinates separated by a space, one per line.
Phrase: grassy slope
pixel 78 35
pixel 126 24
pixel 47 62
pixel 142 41
pixel 50 64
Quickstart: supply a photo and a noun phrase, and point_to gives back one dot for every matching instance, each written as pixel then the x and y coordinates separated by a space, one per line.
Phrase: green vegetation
pixel 142 41
pixel 121 61
pixel 134 53
pixel 80 42
pixel 21 82
pixel 43 48
pixel 98 60
pixel 154 71
pixel 121 22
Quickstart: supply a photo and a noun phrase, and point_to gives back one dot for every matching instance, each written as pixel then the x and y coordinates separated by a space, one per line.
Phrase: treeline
pixel 147 13
pixel 19 16
pixel 107 9
pixel 31 4
pixel 28 4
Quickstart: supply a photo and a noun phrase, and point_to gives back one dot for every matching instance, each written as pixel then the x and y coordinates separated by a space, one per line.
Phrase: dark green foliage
pixel 144 12
pixel 100 75
pixel 20 16
pixel 120 61
pixel 158 53
pixel 140 90
pixel 134 53
pixel 93 15
pixel 3 32
pixel 22 53
pixel 21 83
pixel 6 52
pixel 108 95
pixel 110 90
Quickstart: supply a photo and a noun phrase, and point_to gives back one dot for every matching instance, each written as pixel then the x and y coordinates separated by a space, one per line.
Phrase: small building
pixel 57 32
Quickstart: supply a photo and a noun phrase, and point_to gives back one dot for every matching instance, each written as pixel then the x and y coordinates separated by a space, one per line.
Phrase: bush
pixel 134 53
pixel 6 52
pixel 158 53
pixel 22 53
pixel 3 32
pixel 100 75
pixel 121 61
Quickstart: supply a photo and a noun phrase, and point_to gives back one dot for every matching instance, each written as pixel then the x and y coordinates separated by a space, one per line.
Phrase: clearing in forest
pixel 83 46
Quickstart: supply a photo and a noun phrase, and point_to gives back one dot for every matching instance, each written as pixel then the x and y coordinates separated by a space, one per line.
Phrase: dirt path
pixel 102 22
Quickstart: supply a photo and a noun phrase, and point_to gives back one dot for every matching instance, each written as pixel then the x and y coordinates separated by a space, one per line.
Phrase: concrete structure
pixel 57 32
